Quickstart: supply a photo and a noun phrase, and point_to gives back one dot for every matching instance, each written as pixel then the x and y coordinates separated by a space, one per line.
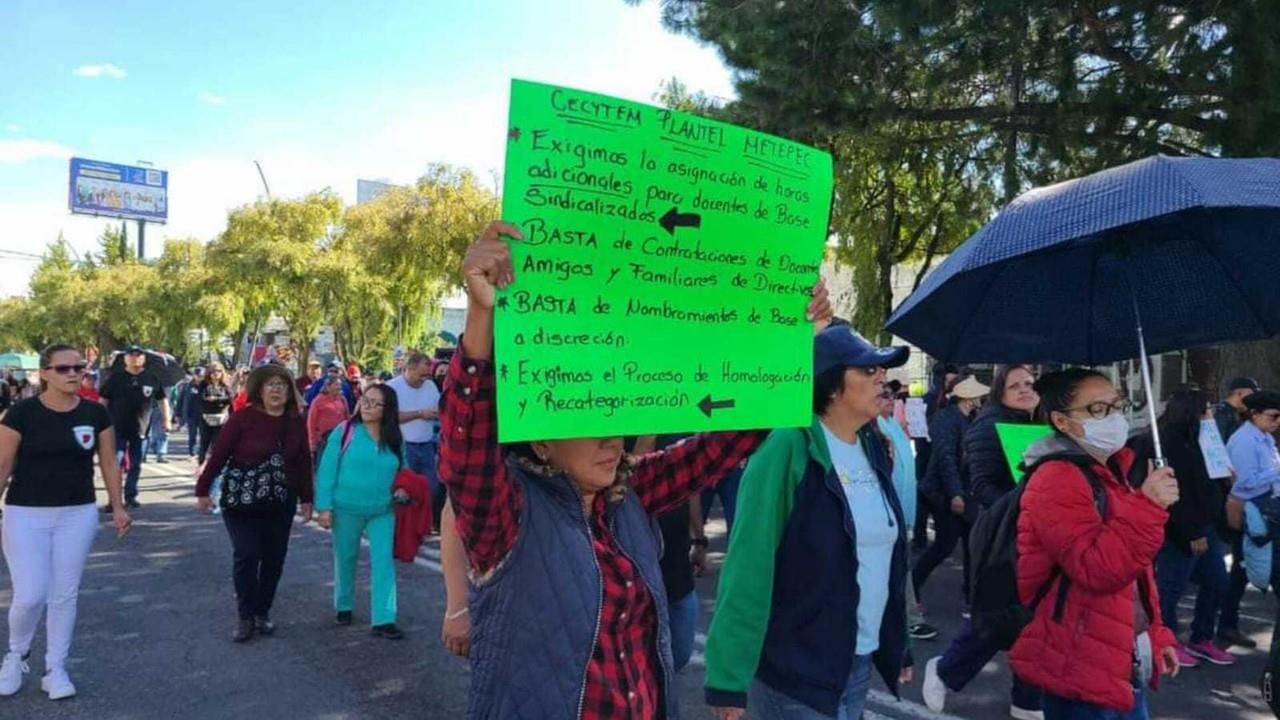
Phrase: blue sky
pixel 320 92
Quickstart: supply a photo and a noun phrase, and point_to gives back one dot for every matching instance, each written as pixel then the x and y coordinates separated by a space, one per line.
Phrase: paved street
pixel 156 613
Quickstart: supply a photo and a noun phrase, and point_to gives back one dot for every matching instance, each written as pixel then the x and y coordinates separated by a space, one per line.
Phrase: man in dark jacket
pixel 943 377
pixel 944 484
pixel 1229 413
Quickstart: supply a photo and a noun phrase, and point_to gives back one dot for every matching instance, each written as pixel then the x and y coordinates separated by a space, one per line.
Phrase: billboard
pixel 121 191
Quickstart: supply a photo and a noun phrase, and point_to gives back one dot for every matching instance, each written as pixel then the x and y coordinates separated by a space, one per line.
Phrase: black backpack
pixel 998 614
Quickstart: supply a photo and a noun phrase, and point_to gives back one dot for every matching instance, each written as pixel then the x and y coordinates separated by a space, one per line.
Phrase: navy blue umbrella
pixel 1160 254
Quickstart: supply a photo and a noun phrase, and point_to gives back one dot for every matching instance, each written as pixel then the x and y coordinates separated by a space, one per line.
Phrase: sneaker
pixel 966 613
pixel 923 631
pixel 243 632
pixel 12 674
pixel 57 684
pixel 1185 660
pixel 1209 652
pixel 935 691
pixel 263 626
pixel 133 504
pixel 1018 713
pixel 162 461
pixel 388 631
pixel 343 618
pixel 1232 636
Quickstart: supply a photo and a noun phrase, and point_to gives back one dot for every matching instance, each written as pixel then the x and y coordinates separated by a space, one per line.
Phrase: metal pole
pixel 142 239
pixel 1146 383
pixel 264 178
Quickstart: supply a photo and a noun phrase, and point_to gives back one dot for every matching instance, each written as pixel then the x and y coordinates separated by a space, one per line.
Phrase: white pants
pixel 46 549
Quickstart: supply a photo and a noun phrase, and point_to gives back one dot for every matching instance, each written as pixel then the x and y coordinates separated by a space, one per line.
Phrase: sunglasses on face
pixel 77 369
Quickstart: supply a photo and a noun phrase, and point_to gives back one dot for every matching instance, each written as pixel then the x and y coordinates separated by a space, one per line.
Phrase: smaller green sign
pixel 1015 438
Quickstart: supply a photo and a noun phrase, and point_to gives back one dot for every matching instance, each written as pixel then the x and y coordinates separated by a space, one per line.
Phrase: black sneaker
pixel 1232 636
pixel 133 504
pixel 343 617
pixel 162 461
pixel 923 631
pixel 264 626
pixel 244 631
pixel 388 631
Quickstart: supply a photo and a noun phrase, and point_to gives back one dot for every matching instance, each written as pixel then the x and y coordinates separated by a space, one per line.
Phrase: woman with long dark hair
pixel 214 393
pixel 1192 547
pixel 265 460
pixel 47 447
pixel 354 498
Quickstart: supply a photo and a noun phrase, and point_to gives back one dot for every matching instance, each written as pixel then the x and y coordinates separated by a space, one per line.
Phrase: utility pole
pixel 142 239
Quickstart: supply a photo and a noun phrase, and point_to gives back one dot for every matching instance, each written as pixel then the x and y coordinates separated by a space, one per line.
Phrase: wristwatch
pixel 701 542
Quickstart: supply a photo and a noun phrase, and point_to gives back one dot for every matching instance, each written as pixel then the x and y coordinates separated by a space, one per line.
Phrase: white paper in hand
pixel 917 418
pixel 1214 450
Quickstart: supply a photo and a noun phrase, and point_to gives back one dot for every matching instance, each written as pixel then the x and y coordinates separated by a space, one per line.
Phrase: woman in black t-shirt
pixel 47 446
pixel 215 406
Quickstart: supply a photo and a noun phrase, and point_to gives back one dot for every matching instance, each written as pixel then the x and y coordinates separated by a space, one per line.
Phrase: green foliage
pixel 937 112
pixel 375 272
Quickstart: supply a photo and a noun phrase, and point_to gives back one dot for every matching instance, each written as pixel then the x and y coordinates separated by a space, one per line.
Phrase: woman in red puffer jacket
pixel 1093 645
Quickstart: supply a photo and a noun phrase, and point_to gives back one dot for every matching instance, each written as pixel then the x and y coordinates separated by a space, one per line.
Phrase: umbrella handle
pixel 1159 460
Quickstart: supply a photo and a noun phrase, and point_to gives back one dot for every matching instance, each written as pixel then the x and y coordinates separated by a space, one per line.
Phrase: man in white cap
pixel 943 483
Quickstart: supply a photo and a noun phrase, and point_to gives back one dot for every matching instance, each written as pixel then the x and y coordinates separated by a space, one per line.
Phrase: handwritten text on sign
pixel 664 275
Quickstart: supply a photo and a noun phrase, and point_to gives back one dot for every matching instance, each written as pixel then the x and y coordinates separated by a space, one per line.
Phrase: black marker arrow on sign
pixel 707 405
pixel 674 219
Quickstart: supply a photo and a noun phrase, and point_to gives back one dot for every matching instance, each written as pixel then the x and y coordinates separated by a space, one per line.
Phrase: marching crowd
pixel 569 564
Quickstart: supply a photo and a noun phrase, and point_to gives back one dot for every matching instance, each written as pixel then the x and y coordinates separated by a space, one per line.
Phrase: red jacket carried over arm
pixel 413 521
pixel 1086 653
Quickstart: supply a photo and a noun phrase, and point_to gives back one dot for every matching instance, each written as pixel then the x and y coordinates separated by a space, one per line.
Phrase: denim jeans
pixel 421 458
pixel 1056 708
pixel 683 614
pixel 965 658
pixel 1175 568
pixel 135 449
pixel 769 704
pixel 727 489
pixel 158 442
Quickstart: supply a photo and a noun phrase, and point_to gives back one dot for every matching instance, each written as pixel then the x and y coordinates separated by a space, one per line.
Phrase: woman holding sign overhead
pixel 568 612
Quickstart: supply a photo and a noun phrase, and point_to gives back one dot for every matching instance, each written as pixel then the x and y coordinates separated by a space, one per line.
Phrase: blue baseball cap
pixel 842 346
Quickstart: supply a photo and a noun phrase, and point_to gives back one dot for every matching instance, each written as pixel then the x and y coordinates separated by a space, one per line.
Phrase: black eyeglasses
pixel 1101 409
pixel 77 369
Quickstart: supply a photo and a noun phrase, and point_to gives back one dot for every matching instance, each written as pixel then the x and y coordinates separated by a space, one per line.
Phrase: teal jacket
pixel 363 482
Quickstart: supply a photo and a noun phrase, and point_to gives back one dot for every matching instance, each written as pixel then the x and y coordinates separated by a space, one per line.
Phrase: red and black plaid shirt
pixel 623 676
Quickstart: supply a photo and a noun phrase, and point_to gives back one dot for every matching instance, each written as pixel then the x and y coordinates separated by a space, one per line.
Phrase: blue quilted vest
pixel 535 617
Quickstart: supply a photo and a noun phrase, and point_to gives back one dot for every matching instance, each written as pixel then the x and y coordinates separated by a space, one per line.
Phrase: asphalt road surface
pixel 157 610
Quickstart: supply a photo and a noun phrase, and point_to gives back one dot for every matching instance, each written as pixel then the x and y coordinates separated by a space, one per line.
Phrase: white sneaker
pixel 56 683
pixel 1018 713
pixel 935 691
pixel 11 674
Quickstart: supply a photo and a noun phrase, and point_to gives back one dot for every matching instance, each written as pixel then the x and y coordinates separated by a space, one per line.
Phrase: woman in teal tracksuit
pixel 353 496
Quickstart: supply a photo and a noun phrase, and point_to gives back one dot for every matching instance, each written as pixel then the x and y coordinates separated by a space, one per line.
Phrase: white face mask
pixel 1106 436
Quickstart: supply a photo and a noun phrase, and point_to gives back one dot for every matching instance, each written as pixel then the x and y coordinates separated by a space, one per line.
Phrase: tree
pixel 268 259
pixel 411 241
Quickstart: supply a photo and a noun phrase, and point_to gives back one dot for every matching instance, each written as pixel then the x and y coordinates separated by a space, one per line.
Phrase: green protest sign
pixel 666 266
pixel 1015 438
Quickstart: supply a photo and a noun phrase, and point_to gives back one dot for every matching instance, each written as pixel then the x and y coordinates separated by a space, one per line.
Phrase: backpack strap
pixel 1099 502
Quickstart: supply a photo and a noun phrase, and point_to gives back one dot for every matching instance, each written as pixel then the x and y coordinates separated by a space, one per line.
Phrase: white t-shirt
pixel 423 397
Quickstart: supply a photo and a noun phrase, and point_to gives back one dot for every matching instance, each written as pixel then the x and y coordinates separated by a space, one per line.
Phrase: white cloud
pixel 13 127
pixel 108 69
pixel 212 99
pixel 15 152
